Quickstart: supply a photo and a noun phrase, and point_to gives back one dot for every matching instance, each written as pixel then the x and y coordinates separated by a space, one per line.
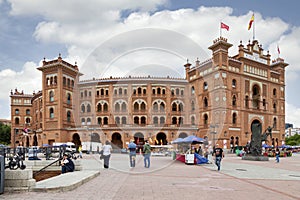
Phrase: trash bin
pixel 2 173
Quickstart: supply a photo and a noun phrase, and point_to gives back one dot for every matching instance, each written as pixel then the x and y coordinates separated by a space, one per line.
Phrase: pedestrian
pixel 147 154
pixel 199 151
pixel 132 153
pixel 219 154
pixel 277 154
pixel 106 153
pixel 80 151
pixel 67 165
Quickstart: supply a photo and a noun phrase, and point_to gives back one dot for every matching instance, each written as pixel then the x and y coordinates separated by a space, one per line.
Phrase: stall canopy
pixel 177 141
pixel 192 139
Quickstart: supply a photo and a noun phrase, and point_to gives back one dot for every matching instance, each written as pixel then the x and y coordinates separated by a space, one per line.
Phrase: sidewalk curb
pixel 54 186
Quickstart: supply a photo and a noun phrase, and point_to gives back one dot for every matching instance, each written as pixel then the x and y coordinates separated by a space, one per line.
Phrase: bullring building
pixel 218 99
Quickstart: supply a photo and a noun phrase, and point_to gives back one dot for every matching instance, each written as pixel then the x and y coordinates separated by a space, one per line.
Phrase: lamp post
pixel 213 132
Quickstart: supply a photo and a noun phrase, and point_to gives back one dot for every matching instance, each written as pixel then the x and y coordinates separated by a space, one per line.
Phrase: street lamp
pixel 213 132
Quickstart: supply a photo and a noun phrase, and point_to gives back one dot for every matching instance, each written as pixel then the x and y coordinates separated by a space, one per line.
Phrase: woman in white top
pixel 106 153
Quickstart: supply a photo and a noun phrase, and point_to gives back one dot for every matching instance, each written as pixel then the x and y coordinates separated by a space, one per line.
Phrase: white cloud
pixel 87 25
pixel 292 115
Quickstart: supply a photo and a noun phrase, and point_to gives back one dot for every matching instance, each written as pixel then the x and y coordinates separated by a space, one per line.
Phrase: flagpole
pixel 220 29
pixel 253 28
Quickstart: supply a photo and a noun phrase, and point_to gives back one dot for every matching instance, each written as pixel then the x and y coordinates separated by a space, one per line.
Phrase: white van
pixel 70 146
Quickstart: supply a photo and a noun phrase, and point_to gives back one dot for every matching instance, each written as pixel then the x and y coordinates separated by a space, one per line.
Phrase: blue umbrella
pixel 177 141
pixel 192 139
pixel 266 146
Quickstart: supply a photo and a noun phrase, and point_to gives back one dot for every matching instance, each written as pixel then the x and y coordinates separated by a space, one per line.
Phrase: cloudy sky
pixel 134 37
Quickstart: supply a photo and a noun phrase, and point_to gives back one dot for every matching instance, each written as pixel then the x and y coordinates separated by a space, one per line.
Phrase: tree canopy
pixel 4 134
pixel 293 140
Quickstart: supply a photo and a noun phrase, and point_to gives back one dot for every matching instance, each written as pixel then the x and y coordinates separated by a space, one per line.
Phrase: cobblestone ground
pixel 166 179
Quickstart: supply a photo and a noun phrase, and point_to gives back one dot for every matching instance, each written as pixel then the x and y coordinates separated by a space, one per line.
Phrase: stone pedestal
pixel 16 180
pixel 255 158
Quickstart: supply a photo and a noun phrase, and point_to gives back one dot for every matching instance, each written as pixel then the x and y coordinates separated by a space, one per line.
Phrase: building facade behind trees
pixel 219 99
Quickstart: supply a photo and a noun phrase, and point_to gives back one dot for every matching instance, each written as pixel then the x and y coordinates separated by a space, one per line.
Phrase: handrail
pixel 37 172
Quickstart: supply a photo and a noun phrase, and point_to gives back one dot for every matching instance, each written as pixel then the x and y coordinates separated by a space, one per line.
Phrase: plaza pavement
pixel 168 179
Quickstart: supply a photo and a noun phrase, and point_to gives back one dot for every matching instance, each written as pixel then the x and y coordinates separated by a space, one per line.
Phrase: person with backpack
pixel 147 154
pixel 67 165
pixel 132 153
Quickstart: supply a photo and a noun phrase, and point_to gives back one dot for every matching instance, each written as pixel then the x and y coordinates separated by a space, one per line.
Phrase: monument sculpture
pixel 257 138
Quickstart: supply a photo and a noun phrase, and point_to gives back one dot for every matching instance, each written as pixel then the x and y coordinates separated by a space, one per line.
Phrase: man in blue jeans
pixel 132 153
pixel 147 154
pixel 219 154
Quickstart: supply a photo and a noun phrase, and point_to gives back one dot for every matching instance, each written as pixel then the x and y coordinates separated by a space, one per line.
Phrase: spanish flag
pixel 250 22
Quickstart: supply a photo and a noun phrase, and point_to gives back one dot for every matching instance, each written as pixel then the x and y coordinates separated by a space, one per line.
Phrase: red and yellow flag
pixel 250 22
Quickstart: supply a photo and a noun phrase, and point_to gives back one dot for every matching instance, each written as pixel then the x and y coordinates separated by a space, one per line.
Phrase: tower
pixel 59 81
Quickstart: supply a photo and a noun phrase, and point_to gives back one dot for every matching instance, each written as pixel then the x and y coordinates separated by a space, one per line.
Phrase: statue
pixel 257 138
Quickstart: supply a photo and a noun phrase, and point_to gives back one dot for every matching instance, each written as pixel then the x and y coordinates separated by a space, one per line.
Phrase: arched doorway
pixel 76 140
pixel 183 135
pixel 116 140
pixel 35 141
pixel 161 139
pixel 139 140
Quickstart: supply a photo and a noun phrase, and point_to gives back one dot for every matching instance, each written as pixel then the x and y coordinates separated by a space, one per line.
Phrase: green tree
pixel 4 134
pixel 293 140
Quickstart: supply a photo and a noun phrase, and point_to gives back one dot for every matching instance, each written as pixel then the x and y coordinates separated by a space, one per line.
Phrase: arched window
pixel 158 90
pixel 233 83
pixel 193 120
pixel 143 106
pixel 155 120
pixel 105 120
pixel 68 98
pixel 120 91
pixel 99 120
pixel 124 121
pixel 88 108
pixel 174 107
pixel 51 113
pixel 174 120
pixel 275 123
pixel 205 102
pixel 117 107
pixel 205 86
pixel 51 96
pixel 105 107
pixel 205 119
pixel 180 107
pixel 136 120
pixel 180 120
pixel 17 120
pixel 233 100
pixel 27 112
pixel 124 107
pixel 162 107
pixel 143 120
pixel 83 108
pixel 162 120
pixel 69 116
pixel 274 107
pixel 17 111
pixel 99 107
pixel 117 120
pixel 27 120
pixel 193 105
pixel 274 92
pixel 136 106
pixel 82 121
pixel 88 121
pixel 155 106
pixel 234 118
pixel 177 91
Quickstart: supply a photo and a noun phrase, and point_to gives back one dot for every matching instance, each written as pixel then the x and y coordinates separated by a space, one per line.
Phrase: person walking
pixel 147 154
pixel 218 154
pixel 106 153
pixel 277 154
pixel 132 153
pixel 80 151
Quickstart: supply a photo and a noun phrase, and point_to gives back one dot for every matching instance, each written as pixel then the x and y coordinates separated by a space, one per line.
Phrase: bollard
pixel 2 173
